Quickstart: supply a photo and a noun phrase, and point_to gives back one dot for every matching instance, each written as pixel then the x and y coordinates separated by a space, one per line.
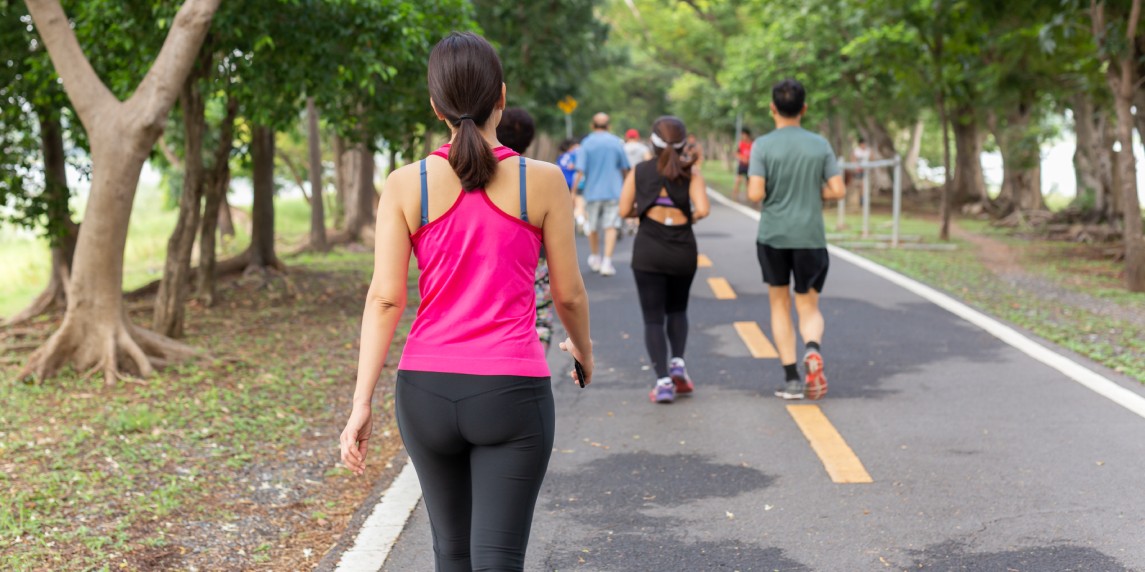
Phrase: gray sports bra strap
pixel 424 196
pixel 524 204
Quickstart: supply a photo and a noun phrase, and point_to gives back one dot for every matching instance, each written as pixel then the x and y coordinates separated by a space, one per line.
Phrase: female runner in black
pixel 668 197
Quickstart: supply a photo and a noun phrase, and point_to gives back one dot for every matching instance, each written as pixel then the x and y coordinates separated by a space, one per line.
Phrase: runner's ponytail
pixel 668 135
pixel 465 80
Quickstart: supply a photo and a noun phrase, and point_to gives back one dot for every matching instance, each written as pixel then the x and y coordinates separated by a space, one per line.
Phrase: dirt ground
pixel 248 439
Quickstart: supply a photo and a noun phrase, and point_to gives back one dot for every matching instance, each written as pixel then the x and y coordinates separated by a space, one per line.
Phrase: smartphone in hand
pixel 579 372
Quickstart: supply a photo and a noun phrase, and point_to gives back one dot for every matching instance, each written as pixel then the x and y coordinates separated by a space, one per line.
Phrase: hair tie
pixel 457 123
pixel 657 141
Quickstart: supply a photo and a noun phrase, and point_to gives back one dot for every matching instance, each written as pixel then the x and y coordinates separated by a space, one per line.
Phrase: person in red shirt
pixel 743 154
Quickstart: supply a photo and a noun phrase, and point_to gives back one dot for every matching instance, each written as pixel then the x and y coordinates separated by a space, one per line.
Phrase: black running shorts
pixel 742 169
pixel 809 265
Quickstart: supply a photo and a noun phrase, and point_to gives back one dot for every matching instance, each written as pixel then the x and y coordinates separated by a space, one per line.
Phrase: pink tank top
pixel 478 307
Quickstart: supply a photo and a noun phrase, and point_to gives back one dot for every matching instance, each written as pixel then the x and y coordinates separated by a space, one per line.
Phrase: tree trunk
pixel 317 211
pixel 169 301
pixel 226 218
pixel 360 193
pixel 1021 163
pixel 215 189
pixel 1111 202
pixel 912 154
pixel 341 177
pixel 1092 159
pixel 883 146
pixel 61 230
pixel 944 205
pixel 1122 82
pixel 969 184
pixel 96 332
pixel 262 255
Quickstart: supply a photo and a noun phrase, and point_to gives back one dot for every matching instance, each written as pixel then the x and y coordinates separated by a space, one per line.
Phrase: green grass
pixel 27 260
pixel 99 469
pixel 1117 344
pixel 718 177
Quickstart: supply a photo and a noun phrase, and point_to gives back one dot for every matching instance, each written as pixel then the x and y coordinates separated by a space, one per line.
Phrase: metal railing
pixel 896 208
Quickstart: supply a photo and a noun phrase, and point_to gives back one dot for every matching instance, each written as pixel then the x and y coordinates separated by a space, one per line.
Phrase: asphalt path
pixel 981 457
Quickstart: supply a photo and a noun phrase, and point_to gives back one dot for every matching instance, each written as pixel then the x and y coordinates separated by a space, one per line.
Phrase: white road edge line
pixel 1098 383
pixel 381 529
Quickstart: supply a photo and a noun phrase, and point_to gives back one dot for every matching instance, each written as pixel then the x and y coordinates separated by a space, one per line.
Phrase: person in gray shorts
pixel 602 163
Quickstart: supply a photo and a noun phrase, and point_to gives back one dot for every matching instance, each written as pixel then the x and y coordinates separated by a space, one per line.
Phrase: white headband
pixel 657 141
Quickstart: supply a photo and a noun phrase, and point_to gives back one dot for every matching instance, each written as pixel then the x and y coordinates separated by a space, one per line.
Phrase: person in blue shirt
pixel 567 162
pixel 602 164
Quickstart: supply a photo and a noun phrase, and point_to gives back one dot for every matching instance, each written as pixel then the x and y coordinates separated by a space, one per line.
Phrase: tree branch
pixel 699 11
pixel 294 172
pixel 1134 16
pixel 170 155
pixel 157 92
pixel 86 91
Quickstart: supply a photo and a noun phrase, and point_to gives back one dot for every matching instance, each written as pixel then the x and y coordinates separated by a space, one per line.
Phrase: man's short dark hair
pixel 516 129
pixel 746 131
pixel 566 145
pixel 789 97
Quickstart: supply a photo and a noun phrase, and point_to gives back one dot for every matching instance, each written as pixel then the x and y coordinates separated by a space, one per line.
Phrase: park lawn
pixel 230 462
pixel 1110 331
pixel 26 261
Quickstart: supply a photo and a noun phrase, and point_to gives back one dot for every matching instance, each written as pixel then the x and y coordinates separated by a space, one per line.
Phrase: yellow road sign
pixel 567 105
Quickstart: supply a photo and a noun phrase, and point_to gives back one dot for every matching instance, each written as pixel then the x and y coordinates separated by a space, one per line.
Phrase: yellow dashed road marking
pixel 838 458
pixel 703 261
pixel 722 289
pixel 755 341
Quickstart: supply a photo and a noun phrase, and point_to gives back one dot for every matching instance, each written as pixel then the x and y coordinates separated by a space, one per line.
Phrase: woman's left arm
pixel 698 192
pixel 385 302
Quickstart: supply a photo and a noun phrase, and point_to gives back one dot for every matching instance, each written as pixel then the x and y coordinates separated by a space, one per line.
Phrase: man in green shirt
pixel 793 171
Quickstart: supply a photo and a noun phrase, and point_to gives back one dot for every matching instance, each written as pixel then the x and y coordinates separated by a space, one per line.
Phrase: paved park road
pixel 980 457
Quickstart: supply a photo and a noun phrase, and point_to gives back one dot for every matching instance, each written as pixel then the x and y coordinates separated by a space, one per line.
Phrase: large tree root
pixel 114 347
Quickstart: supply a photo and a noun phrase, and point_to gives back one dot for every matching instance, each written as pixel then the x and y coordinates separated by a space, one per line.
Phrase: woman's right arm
pixel 385 302
pixel 569 295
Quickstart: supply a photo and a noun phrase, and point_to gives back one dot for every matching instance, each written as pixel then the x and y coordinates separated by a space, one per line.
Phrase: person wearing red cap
pixel 635 149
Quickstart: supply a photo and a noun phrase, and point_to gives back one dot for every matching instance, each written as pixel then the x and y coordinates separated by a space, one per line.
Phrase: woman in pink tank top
pixel 473 395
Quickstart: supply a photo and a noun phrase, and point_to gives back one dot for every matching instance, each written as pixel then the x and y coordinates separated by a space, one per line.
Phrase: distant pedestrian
pixel 793 171
pixel 635 149
pixel 602 163
pixel 516 131
pixel 637 152
pixel 743 157
pixel 668 197
pixel 694 152
pixel 567 162
pixel 473 396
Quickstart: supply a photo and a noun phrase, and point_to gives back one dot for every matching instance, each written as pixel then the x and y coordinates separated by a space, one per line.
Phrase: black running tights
pixel 481 445
pixel 664 301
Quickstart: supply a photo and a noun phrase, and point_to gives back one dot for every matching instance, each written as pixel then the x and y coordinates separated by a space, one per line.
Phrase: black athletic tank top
pixel 660 248
pixel 649 182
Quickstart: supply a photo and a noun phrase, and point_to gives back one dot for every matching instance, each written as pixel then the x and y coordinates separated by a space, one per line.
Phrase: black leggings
pixel 664 301
pixel 481 445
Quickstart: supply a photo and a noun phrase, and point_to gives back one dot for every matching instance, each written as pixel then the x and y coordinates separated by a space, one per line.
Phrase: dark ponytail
pixel 670 162
pixel 465 80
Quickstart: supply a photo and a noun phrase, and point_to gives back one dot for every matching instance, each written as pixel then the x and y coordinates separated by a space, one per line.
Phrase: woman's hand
pixel 585 361
pixel 354 439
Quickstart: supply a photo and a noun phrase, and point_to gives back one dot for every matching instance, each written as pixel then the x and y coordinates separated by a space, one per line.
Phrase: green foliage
pixel 545 53
pixel 29 94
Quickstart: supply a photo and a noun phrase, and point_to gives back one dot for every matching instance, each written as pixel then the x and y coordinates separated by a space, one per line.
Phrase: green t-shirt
pixel 795 163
